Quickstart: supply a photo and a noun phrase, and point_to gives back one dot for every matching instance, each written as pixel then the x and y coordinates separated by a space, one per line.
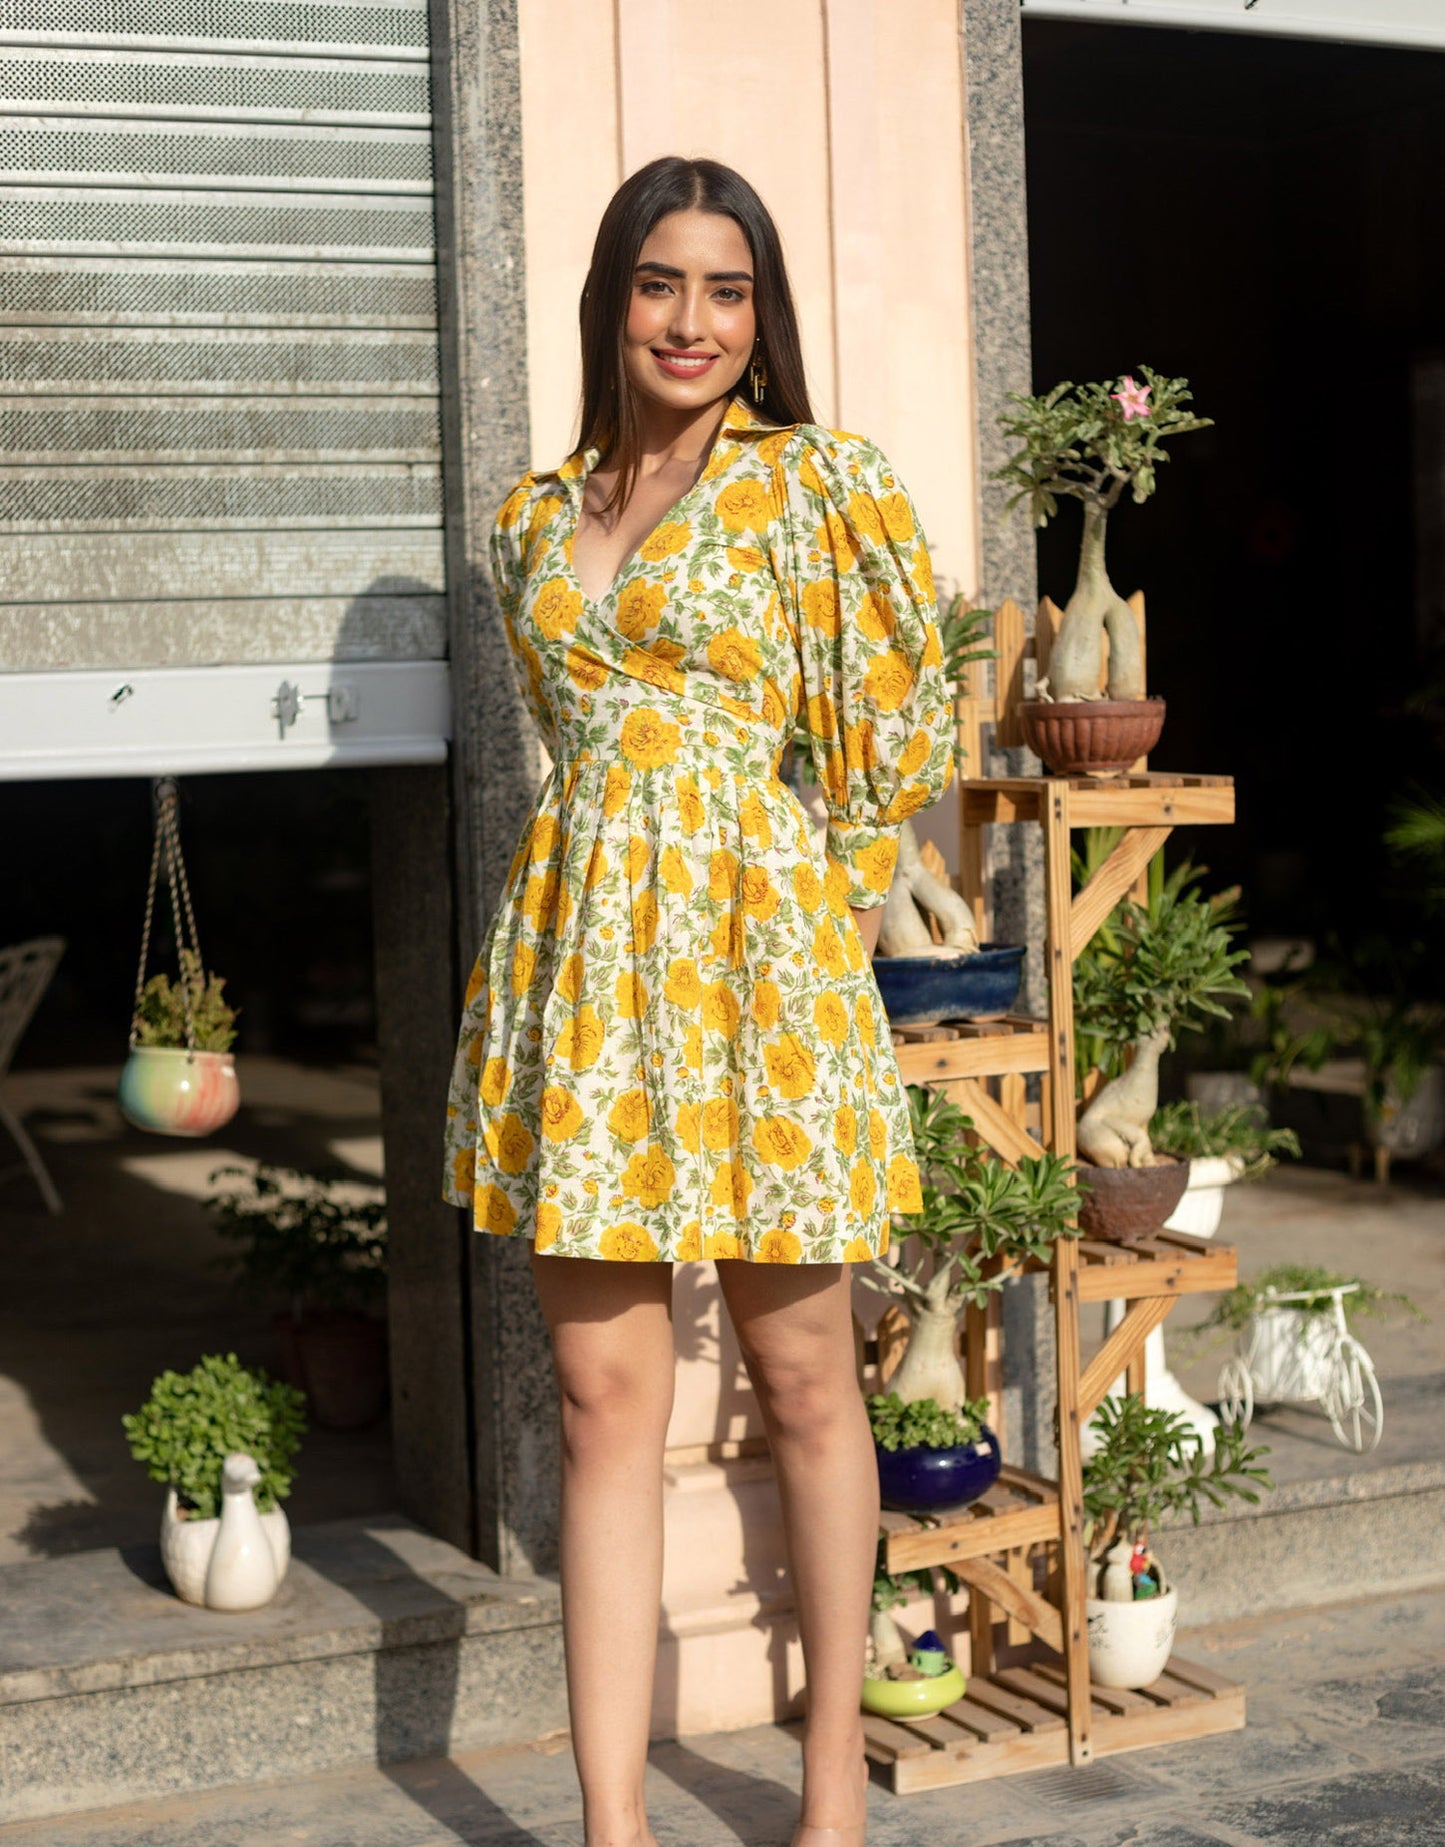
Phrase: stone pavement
pixel 1346 1744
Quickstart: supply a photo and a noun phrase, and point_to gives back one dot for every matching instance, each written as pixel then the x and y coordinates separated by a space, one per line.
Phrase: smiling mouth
pixel 683 362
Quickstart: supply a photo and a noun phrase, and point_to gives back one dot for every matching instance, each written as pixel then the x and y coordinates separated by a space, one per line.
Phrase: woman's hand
pixel 868 922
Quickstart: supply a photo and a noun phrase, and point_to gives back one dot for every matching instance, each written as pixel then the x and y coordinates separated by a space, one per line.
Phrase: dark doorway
pixel 1262 216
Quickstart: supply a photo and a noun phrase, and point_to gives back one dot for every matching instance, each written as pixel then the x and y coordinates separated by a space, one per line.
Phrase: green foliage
pixel 924 1424
pixel 1240 1132
pixel 976 1207
pixel 295 1238
pixel 1416 835
pixel 192 1421
pixel 1076 440
pixel 890 1588
pixel 1236 1309
pixel 1150 1463
pixel 161 1017
pixel 1167 965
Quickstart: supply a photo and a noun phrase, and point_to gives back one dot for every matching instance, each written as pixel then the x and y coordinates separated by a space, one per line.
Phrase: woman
pixel 673 1046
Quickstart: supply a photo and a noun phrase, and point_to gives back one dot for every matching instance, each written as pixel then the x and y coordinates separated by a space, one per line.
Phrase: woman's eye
pixel 654 282
pixel 730 295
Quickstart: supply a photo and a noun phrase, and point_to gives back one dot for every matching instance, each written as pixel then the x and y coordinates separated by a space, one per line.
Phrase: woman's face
pixel 690 320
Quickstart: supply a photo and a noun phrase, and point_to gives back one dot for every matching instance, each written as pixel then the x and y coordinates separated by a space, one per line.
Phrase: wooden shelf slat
pixel 1016 1720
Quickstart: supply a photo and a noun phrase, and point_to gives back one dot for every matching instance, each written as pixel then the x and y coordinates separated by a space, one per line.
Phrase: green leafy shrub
pixel 1150 1463
pixel 1236 1309
pixel 161 1016
pixel 923 1424
pixel 304 1237
pixel 1240 1133
pixel 192 1421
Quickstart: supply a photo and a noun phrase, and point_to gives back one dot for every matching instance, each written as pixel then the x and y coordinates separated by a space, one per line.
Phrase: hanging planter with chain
pixel 179 1078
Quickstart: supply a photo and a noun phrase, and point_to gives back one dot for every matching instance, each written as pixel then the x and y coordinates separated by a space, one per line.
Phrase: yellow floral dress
pixel 673 1044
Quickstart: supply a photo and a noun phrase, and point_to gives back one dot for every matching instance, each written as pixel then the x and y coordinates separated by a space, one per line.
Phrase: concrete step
pixel 384 1644
pixel 1360 1533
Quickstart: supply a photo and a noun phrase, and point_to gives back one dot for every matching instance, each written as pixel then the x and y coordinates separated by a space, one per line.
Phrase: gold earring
pixel 758 376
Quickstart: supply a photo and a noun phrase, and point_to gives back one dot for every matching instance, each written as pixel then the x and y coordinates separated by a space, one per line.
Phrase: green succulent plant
pixel 192 1421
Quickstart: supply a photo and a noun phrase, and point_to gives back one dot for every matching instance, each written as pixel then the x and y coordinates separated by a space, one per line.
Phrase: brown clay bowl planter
pixel 1091 737
pixel 1121 1205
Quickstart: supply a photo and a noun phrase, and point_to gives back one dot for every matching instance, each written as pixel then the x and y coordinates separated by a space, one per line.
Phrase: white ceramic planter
pixel 1130 1643
pixel 170 1091
pixel 187 1545
pixel 1291 1355
pixel 1202 1206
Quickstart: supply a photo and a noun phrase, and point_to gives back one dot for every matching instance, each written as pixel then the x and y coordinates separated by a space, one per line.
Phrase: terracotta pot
pixel 1091 737
pixel 339 1359
pixel 171 1091
pixel 1123 1204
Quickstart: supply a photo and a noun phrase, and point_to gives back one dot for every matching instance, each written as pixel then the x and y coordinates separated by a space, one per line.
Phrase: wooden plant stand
pixel 1020 1549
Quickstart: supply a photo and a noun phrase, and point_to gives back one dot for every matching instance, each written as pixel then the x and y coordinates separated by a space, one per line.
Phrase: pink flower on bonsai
pixel 1132 398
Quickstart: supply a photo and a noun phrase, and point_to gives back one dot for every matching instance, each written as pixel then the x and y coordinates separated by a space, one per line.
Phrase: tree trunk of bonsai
pixel 1094 607
pixel 1114 1129
pixel 903 929
pixel 929 1367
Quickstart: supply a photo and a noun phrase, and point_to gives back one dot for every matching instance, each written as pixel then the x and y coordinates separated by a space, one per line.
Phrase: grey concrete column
pixel 497 758
pixel 999 258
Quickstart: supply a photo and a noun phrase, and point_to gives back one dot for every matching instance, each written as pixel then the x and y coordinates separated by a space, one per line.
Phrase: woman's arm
pixel 868 922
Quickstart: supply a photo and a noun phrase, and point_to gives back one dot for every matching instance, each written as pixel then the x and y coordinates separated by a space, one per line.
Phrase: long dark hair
pixel 675 184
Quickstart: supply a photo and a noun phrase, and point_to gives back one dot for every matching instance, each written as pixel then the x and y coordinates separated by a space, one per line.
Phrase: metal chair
pixel 26 970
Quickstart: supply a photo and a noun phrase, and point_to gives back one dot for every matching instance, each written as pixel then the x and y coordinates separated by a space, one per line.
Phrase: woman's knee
pixel 613 1397
pixel 804 1393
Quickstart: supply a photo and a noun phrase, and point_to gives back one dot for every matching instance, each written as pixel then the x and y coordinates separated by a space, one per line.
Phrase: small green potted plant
pixel 1231 1144
pixel 320 1245
pixel 180 1078
pixel 1294 1329
pixel 899 1680
pixel 1152 971
pixel 1148 1464
pixel 220 1439
pixel 1091 443
pixel 977 1215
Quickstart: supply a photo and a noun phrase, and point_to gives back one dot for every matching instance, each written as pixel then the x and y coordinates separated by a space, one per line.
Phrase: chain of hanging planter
pixel 171 1085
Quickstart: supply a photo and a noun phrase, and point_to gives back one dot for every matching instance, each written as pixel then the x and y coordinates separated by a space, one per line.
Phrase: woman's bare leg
pixel 795 1328
pixel 611 1327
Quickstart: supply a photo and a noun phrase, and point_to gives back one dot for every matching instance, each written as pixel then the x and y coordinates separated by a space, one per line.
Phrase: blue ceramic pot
pixel 921 990
pixel 920 1480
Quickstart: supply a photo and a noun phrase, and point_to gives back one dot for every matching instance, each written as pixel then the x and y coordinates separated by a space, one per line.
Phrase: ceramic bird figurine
pixel 1116 1580
pixel 243 1571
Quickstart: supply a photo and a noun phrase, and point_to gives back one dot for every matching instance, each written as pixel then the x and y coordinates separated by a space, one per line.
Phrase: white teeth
pixel 696 365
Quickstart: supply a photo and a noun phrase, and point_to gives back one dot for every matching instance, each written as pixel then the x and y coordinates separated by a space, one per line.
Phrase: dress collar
pixel 739 419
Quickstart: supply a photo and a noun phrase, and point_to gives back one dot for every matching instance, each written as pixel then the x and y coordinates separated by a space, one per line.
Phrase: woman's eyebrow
pixel 713 275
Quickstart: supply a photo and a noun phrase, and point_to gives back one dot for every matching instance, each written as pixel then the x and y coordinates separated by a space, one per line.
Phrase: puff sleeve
pixel 877 707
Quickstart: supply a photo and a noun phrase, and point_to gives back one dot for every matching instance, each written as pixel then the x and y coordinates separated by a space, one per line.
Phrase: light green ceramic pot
pixel 175 1092
pixel 913 1699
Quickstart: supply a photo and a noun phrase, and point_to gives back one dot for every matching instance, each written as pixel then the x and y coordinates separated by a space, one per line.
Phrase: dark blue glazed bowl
pixel 920 1480
pixel 921 991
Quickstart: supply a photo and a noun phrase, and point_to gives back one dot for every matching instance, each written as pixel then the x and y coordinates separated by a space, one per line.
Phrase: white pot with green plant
pixel 1151 971
pixel 1148 1465
pixel 1091 443
pixel 317 1245
pixel 180 1078
pixel 220 1439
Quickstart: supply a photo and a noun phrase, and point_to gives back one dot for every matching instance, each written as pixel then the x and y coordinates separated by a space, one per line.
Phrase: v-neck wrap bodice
pixel 673 1044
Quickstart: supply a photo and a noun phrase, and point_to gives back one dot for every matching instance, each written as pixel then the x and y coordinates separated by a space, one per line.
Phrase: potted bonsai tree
pixel 220 1439
pixel 319 1244
pixel 1152 971
pixel 933 1447
pixel 180 1078
pixel 1148 1465
pixel 1092 443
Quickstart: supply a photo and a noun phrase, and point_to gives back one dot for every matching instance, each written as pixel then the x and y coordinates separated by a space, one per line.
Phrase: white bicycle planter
pixel 1286 1356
